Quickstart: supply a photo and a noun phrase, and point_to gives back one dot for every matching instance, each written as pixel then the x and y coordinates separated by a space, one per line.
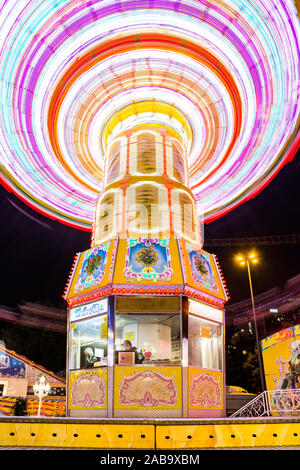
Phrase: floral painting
pixel 201 270
pixel 148 259
pixel 92 269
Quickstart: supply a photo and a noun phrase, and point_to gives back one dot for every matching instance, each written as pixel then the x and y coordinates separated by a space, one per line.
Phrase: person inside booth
pixel 136 358
pixel 89 358
pixel 127 346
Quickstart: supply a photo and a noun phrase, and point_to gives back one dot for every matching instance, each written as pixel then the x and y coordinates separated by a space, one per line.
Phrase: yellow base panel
pixel 154 435
pixel 214 436
pixel 85 436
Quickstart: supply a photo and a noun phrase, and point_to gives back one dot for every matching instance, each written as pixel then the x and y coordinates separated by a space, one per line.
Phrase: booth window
pixel 154 338
pixel 105 214
pixel 178 164
pixel 89 343
pixel 114 163
pixel 188 220
pixel 146 161
pixel 147 197
pixel 205 343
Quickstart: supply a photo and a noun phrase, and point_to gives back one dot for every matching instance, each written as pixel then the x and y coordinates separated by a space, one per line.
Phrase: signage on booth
pixel 88 310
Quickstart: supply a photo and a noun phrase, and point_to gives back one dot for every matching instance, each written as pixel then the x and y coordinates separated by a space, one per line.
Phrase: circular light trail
pixel 223 74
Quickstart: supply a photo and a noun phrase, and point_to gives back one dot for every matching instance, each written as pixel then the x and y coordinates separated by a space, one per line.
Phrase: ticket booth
pixel 151 351
pixel 146 302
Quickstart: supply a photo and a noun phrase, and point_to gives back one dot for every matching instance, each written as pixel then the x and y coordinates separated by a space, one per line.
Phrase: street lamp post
pixel 246 260
pixel 41 390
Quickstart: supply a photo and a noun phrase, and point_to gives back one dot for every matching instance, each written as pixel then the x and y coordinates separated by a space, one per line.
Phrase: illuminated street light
pixel 244 260
pixel 41 390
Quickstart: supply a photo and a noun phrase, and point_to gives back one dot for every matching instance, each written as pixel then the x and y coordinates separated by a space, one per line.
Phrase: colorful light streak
pixel 67 68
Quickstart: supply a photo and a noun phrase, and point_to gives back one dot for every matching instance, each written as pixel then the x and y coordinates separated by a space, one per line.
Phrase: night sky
pixel 37 252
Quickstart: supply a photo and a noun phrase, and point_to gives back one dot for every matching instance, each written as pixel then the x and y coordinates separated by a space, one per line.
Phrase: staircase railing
pixel 272 403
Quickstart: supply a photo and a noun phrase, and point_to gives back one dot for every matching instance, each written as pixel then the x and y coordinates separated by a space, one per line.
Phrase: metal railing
pixel 272 403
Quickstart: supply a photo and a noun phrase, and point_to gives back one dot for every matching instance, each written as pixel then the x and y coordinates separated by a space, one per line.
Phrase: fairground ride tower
pixel 145 302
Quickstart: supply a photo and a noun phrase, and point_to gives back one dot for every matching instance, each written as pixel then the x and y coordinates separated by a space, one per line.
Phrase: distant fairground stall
pixel 281 358
pixel 17 378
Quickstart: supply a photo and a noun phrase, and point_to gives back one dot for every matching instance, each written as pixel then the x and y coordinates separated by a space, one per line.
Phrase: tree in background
pixel 19 408
pixel 242 367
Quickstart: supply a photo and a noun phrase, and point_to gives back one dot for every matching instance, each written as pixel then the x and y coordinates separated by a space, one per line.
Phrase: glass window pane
pixel 205 343
pixel 178 165
pixel 114 163
pixel 154 338
pixel 146 162
pixel 88 343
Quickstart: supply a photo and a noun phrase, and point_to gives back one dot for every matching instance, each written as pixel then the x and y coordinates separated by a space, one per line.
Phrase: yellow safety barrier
pixel 151 434
pixel 229 435
pixel 74 435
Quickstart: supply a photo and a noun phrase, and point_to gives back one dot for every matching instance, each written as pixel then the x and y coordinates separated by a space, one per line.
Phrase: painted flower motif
pixel 93 263
pixel 200 266
pixel 147 256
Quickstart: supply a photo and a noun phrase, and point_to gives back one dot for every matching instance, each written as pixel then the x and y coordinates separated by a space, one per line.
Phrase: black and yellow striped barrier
pixel 69 433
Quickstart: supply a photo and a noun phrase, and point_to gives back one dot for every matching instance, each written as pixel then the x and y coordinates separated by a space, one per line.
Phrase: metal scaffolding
pixel 291 239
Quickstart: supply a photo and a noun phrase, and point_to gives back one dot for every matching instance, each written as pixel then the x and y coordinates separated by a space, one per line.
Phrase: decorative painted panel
pixel 48 407
pixel 147 387
pixel 200 270
pixel 205 389
pixel 148 261
pixel 93 269
pixel 88 389
pixel 11 366
pixel 280 353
